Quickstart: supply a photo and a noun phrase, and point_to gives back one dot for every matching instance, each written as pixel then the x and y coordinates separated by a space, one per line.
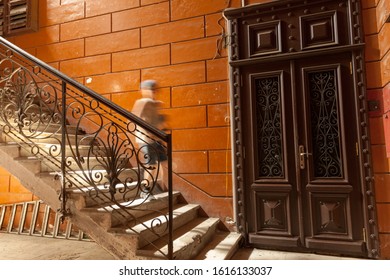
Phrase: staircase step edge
pixel 139 229
pixel 222 247
pixel 189 244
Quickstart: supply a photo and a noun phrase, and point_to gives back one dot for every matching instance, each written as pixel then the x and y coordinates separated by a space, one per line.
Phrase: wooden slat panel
pixel 18 16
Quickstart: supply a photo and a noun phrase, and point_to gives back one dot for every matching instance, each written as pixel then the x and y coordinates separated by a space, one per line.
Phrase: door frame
pixel 239 22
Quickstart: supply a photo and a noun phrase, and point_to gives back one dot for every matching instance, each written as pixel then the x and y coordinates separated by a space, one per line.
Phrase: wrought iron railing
pixel 88 143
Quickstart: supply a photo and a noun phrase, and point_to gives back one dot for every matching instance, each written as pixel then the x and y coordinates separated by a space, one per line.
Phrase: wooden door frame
pixel 240 20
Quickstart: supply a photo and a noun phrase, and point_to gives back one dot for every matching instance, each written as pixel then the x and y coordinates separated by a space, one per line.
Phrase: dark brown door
pixel 302 156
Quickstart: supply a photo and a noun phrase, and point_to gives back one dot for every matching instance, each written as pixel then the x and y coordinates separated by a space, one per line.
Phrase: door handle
pixel 302 156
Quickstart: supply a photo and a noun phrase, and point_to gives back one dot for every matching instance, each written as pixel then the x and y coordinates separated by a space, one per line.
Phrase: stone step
pixel 223 246
pixel 100 194
pixel 49 128
pixel 11 149
pixel 153 227
pixel 53 150
pixel 34 164
pixel 44 138
pixel 189 240
pixel 54 163
pixel 129 212
pixel 82 178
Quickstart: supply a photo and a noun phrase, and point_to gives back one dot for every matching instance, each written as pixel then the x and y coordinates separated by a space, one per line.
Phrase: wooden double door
pixel 301 155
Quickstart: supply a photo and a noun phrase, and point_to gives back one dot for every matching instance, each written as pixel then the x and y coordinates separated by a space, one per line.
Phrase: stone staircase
pixel 76 151
pixel 135 232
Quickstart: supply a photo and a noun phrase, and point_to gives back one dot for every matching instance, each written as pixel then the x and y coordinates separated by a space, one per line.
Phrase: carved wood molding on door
pixel 288 32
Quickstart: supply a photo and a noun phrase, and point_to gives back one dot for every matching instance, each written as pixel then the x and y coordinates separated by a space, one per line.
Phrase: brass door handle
pixel 302 156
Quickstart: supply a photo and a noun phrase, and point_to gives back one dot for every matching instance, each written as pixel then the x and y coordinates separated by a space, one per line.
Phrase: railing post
pixel 170 197
pixel 63 149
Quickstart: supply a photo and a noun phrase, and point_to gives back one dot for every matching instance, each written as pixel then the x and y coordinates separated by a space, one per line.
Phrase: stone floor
pixel 23 247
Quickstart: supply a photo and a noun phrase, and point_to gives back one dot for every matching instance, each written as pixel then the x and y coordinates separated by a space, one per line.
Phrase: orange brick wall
pixel 377 37
pixel 115 44
pixel 11 191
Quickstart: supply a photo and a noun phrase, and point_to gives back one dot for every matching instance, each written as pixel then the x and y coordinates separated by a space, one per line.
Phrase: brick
pixel 32 51
pixel 382 13
pixel 370 21
pixel 64 2
pixel 210 93
pixel 218 115
pixel 5 198
pixel 384 40
pixel 55 65
pixel 87 66
pixel 3 171
pixel 17 187
pixel 384 240
pixel 52 3
pixel 213 184
pixel 377 136
pixel 200 139
pixel 383 211
pixel 94 8
pixel 386 117
pixel 217 69
pixel 141 58
pixel 188 117
pixel 194 50
pixel 372 52
pixel 373 72
pixel 59 14
pixel 4 183
pixel 113 42
pixel 114 82
pixel 143 16
pixel 175 75
pixel 189 8
pixel 215 24
pixel 164 95
pixel 385 69
pixel 148 2
pixel 368 4
pixel 379 159
pixel 45 36
pixel 172 32
pixel 10 198
pixel 127 99
pixel 382 188
pixel 61 51
pixel 190 162
pixel 86 27
pixel 220 161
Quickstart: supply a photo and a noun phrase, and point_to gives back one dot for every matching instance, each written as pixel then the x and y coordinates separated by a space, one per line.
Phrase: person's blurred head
pixel 148 88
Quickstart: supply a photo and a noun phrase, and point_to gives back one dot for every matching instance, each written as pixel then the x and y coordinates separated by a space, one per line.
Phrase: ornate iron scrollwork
pixel 82 141
pixel 269 130
pixel 325 124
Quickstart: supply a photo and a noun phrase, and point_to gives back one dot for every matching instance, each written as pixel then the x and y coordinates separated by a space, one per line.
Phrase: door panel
pixel 303 182
pixel 330 181
pixel 299 122
pixel 272 182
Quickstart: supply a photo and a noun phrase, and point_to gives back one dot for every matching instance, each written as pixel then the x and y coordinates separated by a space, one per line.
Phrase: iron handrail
pixel 159 133
pixel 64 106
